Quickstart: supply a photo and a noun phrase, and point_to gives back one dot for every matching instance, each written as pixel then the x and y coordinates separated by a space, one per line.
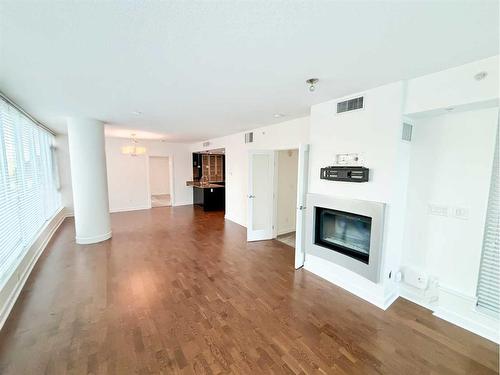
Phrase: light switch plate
pixel 347 159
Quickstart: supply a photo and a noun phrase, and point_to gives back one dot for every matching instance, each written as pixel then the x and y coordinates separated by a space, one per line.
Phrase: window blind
pixel 28 185
pixel 488 293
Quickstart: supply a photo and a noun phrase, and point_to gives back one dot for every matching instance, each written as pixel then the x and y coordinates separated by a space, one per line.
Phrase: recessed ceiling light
pixel 137 113
pixel 278 115
pixel 480 76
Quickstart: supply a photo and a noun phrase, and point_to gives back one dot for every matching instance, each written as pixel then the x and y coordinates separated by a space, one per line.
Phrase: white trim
pixel 461 310
pixel 177 204
pixel 390 299
pixel 467 298
pixel 471 325
pixel 37 247
pixel 350 281
pixel 126 209
pixel 233 220
pixel 285 231
pixel 93 239
pixel 413 295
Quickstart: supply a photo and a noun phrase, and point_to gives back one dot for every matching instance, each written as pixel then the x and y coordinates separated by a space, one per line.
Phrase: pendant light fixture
pixel 133 149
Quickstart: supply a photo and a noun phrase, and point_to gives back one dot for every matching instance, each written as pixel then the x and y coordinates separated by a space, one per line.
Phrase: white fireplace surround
pixel 374 210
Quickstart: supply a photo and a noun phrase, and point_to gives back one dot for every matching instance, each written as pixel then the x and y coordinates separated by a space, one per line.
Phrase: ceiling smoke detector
pixel 312 82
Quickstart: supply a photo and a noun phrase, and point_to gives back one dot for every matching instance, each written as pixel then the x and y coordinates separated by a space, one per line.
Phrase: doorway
pixel 160 181
pixel 287 162
pixel 264 193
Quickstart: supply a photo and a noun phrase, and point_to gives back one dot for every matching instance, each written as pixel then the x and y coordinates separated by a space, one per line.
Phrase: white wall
pixel 159 175
pixel 374 132
pixel 128 176
pixel 454 87
pixel 288 161
pixel 282 136
pixel 62 152
pixel 451 164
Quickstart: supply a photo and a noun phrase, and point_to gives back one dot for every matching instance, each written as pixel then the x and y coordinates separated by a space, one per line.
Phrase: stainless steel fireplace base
pixel 373 210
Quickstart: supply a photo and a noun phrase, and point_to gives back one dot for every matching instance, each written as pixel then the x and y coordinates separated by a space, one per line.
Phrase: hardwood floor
pixel 178 290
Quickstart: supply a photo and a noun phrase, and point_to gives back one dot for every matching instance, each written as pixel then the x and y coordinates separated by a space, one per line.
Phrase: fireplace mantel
pixel 347 210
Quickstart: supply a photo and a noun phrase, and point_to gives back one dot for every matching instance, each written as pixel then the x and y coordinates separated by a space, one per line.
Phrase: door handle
pixel 251 196
pixel 302 207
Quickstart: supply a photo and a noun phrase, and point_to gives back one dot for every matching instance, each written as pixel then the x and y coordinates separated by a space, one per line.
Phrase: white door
pixel 260 195
pixel 300 252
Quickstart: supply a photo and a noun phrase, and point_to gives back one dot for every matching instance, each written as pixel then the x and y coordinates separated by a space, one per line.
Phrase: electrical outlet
pixel 460 213
pixel 437 210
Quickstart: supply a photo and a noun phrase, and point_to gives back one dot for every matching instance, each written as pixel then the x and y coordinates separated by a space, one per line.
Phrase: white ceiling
pixel 202 69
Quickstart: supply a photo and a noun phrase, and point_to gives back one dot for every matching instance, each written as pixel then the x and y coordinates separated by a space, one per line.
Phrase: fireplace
pixel 344 232
pixel 347 232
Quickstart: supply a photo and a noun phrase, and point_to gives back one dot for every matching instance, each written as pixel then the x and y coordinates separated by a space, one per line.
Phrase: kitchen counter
pixel 208 186
pixel 211 195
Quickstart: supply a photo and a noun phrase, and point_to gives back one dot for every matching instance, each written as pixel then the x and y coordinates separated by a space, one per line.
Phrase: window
pixel 29 194
pixel 488 293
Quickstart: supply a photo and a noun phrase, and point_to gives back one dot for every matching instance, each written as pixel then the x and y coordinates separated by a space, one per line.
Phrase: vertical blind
pixel 488 293
pixel 28 185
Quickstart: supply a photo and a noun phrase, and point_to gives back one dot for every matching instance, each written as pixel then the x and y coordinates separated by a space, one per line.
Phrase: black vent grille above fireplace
pixel 344 173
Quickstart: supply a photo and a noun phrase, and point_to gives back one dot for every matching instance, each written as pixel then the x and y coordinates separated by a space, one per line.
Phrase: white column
pixel 89 180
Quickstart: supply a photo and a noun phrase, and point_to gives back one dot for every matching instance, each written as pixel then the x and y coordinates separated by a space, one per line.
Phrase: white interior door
pixel 260 195
pixel 302 175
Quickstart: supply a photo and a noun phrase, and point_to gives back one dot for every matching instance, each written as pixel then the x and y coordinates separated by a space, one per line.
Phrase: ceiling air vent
pixel 407 130
pixel 249 137
pixel 206 144
pixel 350 105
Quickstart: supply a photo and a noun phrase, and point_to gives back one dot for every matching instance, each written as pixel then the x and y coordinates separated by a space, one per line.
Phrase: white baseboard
pixel 472 325
pixel 390 299
pixel 452 306
pixel 93 239
pixel 461 310
pixel 126 209
pixel 416 296
pixel 177 204
pixel 353 283
pixel 234 220
pixel 285 231
pixel 457 308
pixel 13 286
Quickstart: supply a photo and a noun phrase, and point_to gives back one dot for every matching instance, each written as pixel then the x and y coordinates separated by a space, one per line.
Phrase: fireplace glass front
pixel 344 232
